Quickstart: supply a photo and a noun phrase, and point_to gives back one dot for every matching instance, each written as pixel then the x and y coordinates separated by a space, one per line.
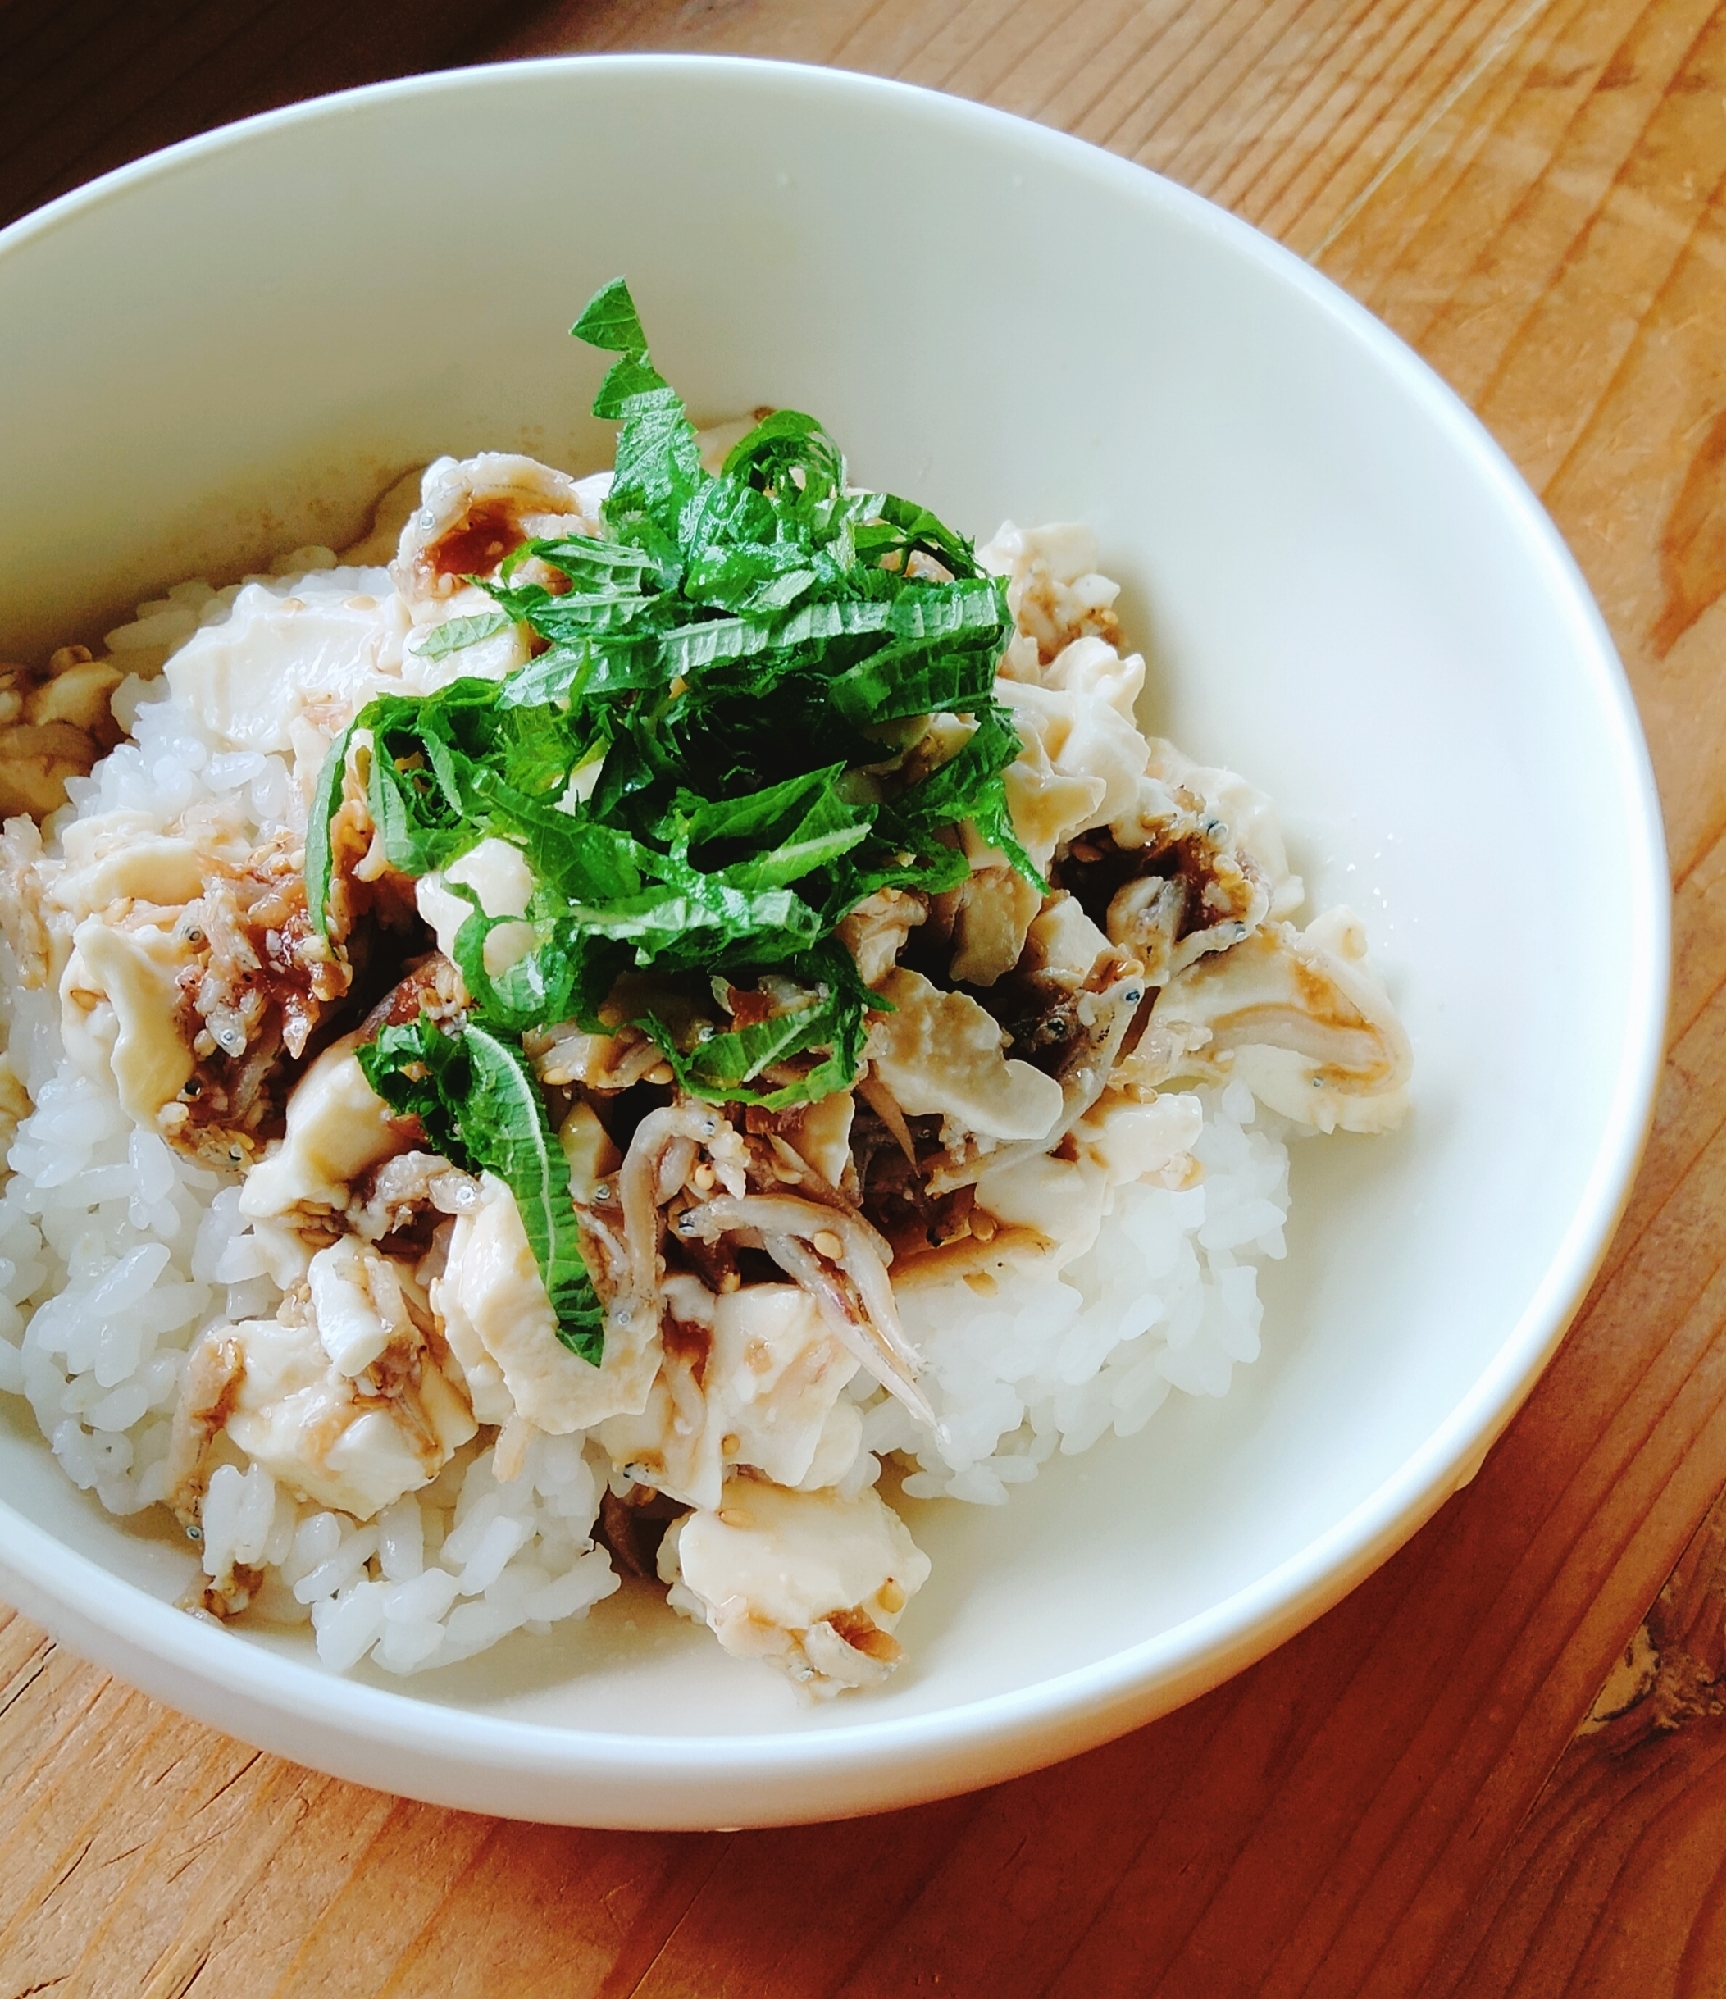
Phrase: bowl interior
pixel 1343 593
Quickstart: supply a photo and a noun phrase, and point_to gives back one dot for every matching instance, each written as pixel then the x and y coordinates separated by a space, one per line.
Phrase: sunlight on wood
pixel 1398 1802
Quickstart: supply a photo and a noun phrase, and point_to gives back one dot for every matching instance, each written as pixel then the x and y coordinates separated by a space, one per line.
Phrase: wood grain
pixel 1626 1851
pixel 1531 191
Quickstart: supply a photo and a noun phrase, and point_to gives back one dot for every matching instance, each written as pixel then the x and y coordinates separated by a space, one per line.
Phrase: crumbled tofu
pixel 812 1583
pixel 940 1052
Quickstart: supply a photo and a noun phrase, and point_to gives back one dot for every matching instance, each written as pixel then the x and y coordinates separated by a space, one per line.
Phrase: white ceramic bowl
pixel 1347 594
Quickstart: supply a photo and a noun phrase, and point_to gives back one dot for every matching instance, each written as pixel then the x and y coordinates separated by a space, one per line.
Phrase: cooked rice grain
pixel 115 1251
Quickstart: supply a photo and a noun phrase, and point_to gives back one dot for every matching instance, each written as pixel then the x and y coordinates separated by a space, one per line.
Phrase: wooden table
pixel 1495 1769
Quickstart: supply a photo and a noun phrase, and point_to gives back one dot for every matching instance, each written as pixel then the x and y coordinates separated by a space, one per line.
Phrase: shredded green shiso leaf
pixel 476 1097
pixel 721 747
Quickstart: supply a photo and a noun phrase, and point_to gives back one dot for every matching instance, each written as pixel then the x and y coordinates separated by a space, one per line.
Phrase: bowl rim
pixel 904 1759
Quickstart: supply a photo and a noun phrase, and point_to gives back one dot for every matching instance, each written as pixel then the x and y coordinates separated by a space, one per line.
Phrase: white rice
pixel 1167 1297
pixel 115 1252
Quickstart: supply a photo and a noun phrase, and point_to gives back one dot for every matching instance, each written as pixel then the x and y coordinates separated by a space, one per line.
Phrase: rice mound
pixel 115 1251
